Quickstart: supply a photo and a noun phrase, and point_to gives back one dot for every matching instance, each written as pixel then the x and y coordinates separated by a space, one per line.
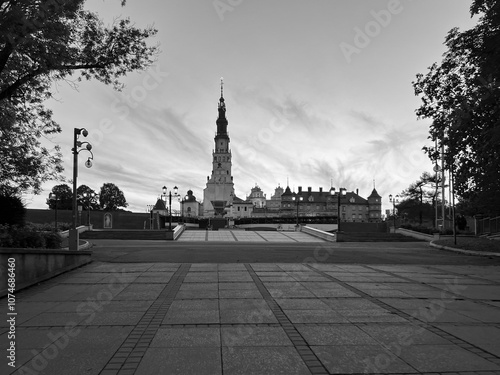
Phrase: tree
pixel 419 194
pixel 13 211
pixel 87 196
pixel 462 97
pixel 64 196
pixel 42 42
pixel 111 197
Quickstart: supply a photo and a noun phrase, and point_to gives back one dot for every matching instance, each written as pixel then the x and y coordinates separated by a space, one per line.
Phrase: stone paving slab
pixel 155 318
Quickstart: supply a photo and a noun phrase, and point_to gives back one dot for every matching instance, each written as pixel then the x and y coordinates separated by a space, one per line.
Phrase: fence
pixel 488 225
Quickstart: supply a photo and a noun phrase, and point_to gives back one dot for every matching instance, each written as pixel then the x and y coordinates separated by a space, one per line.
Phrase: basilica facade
pixel 219 199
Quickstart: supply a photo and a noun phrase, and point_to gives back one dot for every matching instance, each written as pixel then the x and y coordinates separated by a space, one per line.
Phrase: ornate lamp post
pixel 150 210
pixel 342 192
pixel 73 233
pixel 53 197
pixel 394 200
pixel 297 199
pixel 164 194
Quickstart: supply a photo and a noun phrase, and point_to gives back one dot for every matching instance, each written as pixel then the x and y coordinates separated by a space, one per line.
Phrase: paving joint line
pixel 140 337
pixel 261 236
pixel 286 235
pixel 454 295
pixel 312 362
pixel 462 274
pixel 412 319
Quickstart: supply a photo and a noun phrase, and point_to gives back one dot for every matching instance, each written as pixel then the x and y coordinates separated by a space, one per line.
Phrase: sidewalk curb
pixel 469 252
pixel 87 245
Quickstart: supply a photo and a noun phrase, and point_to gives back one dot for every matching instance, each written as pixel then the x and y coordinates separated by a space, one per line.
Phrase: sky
pixel 318 93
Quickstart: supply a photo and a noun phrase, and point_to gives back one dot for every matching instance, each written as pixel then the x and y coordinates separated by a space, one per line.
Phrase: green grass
pixel 472 243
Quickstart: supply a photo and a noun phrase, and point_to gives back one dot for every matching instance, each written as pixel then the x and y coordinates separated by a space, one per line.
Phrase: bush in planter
pixel 52 240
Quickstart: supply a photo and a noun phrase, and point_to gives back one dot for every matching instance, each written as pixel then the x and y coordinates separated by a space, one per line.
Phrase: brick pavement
pixel 260 318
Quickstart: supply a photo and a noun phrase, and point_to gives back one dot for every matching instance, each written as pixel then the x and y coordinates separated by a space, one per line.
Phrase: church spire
pixel 221 120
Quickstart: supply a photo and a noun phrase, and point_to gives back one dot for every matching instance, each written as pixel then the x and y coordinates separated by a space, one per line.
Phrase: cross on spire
pixel 221 87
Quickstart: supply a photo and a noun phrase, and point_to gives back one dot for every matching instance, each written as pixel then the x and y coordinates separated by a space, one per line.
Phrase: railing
pixel 488 225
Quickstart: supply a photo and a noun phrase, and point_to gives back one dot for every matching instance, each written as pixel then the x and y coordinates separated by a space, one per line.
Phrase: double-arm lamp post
pixel 164 194
pixel 298 198
pixel 73 233
pixel 342 192
pixel 394 200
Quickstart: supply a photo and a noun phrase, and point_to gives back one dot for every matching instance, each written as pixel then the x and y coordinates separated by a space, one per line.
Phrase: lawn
pixel 472 243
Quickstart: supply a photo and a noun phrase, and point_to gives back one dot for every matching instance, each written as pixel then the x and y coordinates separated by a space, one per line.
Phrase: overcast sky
pixel 316 91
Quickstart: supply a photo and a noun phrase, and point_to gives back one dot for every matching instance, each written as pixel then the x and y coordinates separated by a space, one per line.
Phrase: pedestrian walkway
pixel 259 318
pixel 248 236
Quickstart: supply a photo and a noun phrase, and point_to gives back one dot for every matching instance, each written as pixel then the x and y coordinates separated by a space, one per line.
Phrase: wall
pixel 363 227
pixel 36 265
pixel 121 219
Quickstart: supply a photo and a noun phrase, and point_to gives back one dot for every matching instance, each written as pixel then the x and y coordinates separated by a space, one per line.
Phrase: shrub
pixel 28 237
pixel 52 240
pixel 13 211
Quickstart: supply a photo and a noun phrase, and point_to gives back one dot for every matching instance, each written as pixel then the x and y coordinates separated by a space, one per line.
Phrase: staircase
pixel 375 237
pixel 126 234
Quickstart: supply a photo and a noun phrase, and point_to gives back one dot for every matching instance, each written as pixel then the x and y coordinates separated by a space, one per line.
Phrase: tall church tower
pixel 219 193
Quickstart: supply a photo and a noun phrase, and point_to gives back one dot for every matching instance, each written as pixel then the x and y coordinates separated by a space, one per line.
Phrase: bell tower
pixel 219 193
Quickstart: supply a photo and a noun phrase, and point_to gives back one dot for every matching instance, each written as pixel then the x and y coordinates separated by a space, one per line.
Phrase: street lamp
pixel 342 192
pixel 150 210
pixel 90 199
pixel 73 233
pixel 164 194
pixel 53 197
pixel 298 199
pixel 394 200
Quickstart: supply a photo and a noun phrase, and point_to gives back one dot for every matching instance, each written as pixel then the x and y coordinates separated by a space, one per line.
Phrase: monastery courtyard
pixel 231 306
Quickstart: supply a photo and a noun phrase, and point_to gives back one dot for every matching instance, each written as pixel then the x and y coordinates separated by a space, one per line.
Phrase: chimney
pixel 300 189
pixel 309 189
pixel 357 191
pixel 321 190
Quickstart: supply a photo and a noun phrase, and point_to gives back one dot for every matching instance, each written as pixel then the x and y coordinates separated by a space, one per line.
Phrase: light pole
pixel 164 189
pixel 342 192
pixel 150 210
pixel 73 233
pixel 298 199
pixel 394 200
pixel 90 199
pixel 53 196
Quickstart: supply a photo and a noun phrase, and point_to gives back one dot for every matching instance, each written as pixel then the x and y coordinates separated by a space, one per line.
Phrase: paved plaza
pixel 251 236
pixel 260 318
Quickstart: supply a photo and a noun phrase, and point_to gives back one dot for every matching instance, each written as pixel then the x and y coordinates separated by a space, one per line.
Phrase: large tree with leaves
pixel 462 97
pixel 43 41
pixel 111 197
pixel 419 196
pixel 62 196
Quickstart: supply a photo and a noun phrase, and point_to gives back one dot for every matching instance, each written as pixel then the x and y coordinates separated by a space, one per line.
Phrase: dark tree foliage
pixel 87 197
pixel 420 195
pixel 42 42
pixel 462 97
pixel 64 196
pixel 111 197
pixel 12 210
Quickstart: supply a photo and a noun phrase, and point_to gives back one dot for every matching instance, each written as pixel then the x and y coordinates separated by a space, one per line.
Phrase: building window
pixel 245 208
pixel 239 208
